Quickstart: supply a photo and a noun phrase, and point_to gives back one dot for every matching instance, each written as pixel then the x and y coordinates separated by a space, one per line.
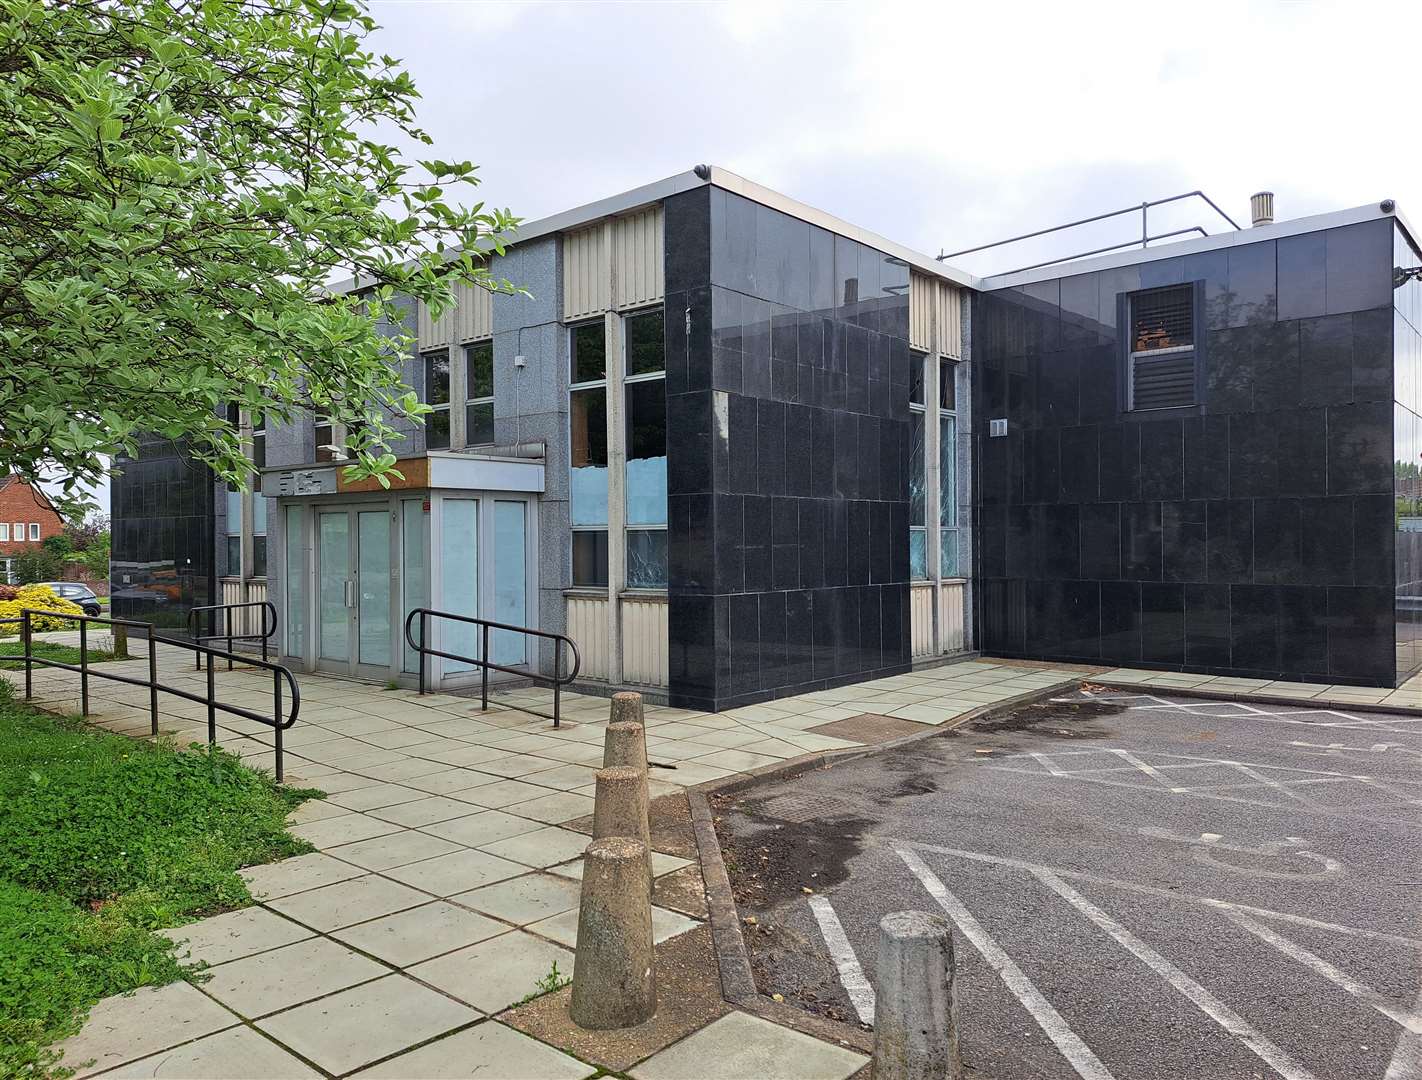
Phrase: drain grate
pixel 801 808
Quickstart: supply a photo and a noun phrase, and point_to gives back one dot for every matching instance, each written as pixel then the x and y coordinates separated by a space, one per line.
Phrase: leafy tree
pixel 95 558
pixel 91 530
pixel 183 181
pixel 38 564
pixel 59 546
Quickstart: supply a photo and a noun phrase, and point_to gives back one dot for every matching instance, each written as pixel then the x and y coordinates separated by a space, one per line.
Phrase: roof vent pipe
pixel 1261 208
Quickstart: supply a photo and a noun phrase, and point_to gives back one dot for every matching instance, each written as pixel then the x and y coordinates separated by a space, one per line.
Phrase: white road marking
pixel 1048 764
pixel 1406 1063
pixel 1201 998
pixel 1077 1053
pixel 1410 1021
pixel 851 975
pixel 1166 894
pixel 1149 770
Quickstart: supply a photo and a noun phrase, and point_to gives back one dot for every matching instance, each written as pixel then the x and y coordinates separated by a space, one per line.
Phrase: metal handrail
pixel 486 665
pixel 1142 208
pixel 278 721
pixel 268 608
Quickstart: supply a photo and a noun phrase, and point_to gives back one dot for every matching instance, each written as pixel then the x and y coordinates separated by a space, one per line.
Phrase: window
pixel 259 535
pixel 4 531
pixel 918 479
pixel 947 470
pixel 1162 343
pixel 587 399
pixel 7 573
pixel 325 446
pixel 437 395
pixel 34 531
pixel 19 531
pixel 645 408
pixel 479 394
pixel 259 446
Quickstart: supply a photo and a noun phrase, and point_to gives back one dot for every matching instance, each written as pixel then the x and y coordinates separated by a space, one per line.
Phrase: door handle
pixel 349 592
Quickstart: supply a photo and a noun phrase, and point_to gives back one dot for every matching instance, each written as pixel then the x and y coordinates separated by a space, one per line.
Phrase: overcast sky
pixel 940 126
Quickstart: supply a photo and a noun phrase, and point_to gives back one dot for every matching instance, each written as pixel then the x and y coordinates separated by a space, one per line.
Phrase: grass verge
pixel 47 650
pixel 104 839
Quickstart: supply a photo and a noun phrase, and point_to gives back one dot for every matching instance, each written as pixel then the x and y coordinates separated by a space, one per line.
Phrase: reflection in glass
pixel 414 576
pixel 918 481
pixel 646 558
pixel 590 557
pixel 459 566
pixel 646 453
pixel 918 554
pixel 510 583
pixel 589 353
pixel 588 425
pixel 373 578
pixel 333 558
pixel 295 616
pixel 645 348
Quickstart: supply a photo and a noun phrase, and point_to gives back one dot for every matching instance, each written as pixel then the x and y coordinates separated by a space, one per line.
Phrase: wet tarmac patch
pixel 1060 717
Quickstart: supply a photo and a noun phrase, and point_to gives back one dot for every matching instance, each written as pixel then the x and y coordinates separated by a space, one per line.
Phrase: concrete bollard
pixel 624 744
pixel 620 808
pixel 626 708
pixel 614 981
pixel 915 1007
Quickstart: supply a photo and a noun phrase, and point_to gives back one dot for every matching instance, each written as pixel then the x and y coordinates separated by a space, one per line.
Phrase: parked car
pixel 77 593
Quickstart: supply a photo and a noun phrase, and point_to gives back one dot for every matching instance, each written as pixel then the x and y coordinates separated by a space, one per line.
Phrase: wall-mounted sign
pixel 306 482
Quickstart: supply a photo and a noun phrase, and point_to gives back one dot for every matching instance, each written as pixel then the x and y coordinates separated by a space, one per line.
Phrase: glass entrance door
pixel 353 575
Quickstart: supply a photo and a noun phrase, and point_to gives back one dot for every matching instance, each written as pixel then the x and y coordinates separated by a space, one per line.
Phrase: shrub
pixel 36 598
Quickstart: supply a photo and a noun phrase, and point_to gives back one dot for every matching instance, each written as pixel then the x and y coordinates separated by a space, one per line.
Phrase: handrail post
pixel 153 679
pixel 211 703
pixel 424 640
pixel 276 716
pixel 557 674
pixel 28 635
pixel 228 612
pixel 84 666
pixel 484 666
pixel 193 629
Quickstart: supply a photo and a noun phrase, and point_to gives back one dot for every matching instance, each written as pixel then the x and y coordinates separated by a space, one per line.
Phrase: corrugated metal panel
pixel 935 316
pixel 235 591
pixel 921 619
pixel 585 284
pixel 637 257
pixel 950 616
pixel 645 641
pixel 587 626
pixel 474 313
pixel 430 333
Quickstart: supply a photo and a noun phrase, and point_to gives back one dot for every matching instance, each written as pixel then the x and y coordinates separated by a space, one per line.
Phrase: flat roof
pixel 1134 257
pixel 623 202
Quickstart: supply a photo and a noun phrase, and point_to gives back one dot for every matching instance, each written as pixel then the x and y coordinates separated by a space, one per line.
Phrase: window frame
pixel 467 393
pixel 4 532
pixel 628 382
pixel 918 412
pixel 1126 321
pixel 34 533
pixel 573 388
pixel 445 406
pixel 948 507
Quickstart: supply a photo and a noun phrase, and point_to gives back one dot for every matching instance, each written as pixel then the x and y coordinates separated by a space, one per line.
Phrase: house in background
pixel 737 449
pixel 27 519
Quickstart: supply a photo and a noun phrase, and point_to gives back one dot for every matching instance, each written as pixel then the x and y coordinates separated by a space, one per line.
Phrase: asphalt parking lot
pixel 1139 886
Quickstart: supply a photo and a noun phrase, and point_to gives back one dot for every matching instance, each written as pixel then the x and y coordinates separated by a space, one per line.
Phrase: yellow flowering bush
pixel 36 598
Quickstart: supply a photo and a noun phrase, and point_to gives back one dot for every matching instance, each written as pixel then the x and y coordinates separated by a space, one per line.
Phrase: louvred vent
pixel 1163 319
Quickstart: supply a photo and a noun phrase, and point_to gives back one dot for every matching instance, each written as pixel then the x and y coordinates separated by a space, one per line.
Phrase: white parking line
pixel 1410 1021
pixel 861 994
pixel 1406 1063
pixel 1077 1053
pixel 1202 999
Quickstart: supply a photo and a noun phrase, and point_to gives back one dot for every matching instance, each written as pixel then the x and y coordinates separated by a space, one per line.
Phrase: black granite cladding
pixel 1250 534
pixel 163 541
pixel 1407 455
pixel 787 395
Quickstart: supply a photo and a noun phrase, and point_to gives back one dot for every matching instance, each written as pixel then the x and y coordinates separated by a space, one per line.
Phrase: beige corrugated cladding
pixel 471 318
pixel 935 315
pixel 631 247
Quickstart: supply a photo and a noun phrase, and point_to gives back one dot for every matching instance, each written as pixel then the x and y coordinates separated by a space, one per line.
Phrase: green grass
pixel 68 654
pixel 104 839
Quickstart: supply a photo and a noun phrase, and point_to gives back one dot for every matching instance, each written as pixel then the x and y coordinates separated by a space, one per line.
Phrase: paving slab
pixel 128 1027
pixel 277 980
pixel 543 847
pixel 407 937
pixel 741 1047
pixel 482 827
pixel 496 973
pixel 297 874
pixel 457 872
pixel 485 1051
pixel 427 811
pixel 235 1054
pixel 564 928
pixel 523 900
pixel 394 849
pixel 366 1023
pixel 554 808
pixel 357 900
pixel 235 934
pixel 376 796
pixel 346 829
